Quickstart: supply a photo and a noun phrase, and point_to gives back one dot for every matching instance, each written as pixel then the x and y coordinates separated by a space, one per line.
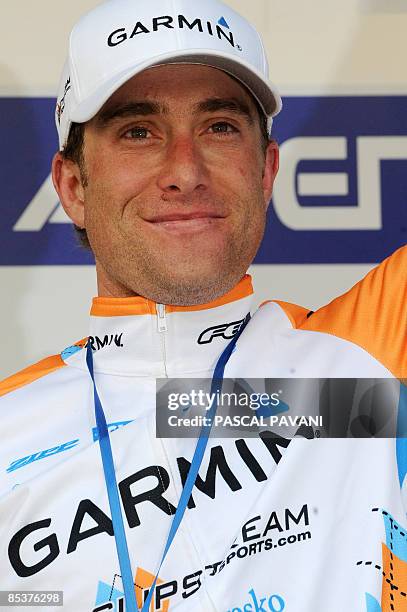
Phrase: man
pixel 166 168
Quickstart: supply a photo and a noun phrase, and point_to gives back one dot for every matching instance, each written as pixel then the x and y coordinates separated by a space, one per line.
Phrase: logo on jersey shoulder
pixel 221 29
pixel 97 343
pixel 226 331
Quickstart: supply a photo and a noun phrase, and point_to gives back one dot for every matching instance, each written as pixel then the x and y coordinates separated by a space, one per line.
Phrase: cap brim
pixel 264 91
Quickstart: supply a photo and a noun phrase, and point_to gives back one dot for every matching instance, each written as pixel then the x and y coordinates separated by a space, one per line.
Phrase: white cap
pixel 121 38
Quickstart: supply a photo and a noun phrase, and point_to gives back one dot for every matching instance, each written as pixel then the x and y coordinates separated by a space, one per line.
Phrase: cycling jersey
pixel 272 524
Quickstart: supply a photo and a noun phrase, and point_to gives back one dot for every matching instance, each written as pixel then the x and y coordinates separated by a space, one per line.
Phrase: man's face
pixel 177 185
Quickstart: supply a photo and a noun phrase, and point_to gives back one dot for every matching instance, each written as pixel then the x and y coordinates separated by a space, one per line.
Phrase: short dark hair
pixel 74 151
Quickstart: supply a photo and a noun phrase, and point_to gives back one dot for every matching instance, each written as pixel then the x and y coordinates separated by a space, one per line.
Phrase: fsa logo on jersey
pixel 226 331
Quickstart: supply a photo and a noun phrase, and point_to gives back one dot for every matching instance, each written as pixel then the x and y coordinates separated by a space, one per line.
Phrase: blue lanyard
pixel 111 482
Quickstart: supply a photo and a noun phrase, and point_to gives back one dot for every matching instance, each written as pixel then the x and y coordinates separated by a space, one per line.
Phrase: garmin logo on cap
pixel 221 29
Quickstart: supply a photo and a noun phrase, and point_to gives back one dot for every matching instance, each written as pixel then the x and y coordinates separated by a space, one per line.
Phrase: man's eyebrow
pixel 149 107
pixel 129 109
pixel 234 105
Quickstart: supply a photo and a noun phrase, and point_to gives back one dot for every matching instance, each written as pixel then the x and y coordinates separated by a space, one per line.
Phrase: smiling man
pixel 166 168
pixel 153 168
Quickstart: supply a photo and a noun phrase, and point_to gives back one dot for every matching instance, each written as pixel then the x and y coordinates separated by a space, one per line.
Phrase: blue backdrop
pixel 28 142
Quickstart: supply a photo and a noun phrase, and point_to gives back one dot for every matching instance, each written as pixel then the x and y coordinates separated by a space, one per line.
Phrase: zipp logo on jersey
pixel 227 331
pixel 49 452
pixel 60 448
pixel 156 480
pixel 220 29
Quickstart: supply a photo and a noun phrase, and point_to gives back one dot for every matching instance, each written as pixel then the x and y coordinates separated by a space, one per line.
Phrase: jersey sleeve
pixel 373 314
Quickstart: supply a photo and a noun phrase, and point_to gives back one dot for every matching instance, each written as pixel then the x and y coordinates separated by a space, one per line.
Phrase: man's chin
pixel 193 289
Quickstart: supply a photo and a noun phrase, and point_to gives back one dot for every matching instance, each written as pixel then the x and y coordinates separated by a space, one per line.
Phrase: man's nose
pixel 183 171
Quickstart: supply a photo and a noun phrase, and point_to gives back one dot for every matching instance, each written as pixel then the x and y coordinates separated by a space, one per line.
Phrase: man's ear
pixel 66 177
pixel 270 170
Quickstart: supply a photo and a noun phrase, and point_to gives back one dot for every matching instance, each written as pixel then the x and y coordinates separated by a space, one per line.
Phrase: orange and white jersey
pixel 273 524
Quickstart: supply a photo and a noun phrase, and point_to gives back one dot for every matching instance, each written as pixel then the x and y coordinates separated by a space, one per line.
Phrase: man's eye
pixel 223 127
pixel 138 133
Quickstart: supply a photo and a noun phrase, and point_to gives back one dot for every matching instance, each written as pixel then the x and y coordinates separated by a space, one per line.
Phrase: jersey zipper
pixel 162 330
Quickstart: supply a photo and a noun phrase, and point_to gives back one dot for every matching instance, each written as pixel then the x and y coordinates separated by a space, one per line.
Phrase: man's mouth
pixel 194 221
pixel 171 217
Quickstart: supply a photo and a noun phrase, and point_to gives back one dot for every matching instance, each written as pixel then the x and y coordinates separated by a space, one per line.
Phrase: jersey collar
pixel 136 336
